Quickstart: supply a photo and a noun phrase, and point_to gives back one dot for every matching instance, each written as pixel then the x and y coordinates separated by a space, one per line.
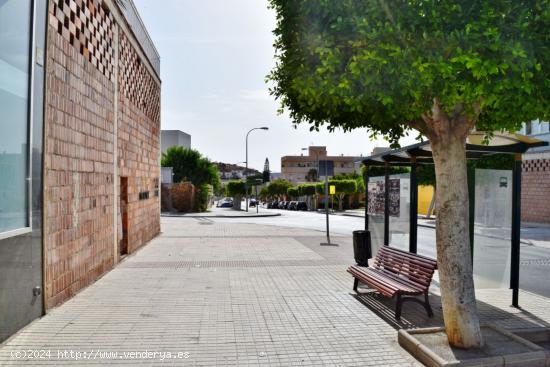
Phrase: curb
pixel 170 215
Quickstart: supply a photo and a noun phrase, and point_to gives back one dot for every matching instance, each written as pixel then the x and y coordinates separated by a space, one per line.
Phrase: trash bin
pixel 362 247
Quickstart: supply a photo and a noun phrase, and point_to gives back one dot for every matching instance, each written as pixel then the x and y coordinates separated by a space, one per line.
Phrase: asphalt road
pixel 491 260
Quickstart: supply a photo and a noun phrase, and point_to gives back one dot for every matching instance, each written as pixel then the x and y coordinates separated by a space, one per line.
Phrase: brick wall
pixel 139 144
pixel 81 127
pixel 535 191
pixel 78 169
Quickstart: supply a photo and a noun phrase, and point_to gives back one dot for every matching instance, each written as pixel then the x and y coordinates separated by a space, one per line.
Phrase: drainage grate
pixel 188 264
pixel 540 262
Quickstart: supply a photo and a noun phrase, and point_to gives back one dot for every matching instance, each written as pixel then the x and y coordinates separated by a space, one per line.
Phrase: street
pixel 491 260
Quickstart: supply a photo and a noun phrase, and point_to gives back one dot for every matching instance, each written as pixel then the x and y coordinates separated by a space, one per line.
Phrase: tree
pixel 441 68
pixel 236 190
pixel 293 192
pixel 307 190
pixel 278 187
pixel 343 188
pixel 190 165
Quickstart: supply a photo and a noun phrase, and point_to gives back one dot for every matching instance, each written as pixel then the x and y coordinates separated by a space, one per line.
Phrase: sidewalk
pixel 227 294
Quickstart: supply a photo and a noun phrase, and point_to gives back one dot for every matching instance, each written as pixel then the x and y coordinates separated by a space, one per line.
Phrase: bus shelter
pixel 385 197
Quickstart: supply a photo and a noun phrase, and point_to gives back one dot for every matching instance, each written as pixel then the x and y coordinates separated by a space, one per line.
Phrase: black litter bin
pixel 362 247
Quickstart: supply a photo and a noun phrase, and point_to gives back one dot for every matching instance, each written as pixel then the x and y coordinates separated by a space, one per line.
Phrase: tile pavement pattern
pixel 81 143
pixel 284 314
pixel 232 294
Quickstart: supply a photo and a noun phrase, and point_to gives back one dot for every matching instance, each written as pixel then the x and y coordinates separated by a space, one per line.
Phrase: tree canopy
pixel 350 64
pixel 190 165
pixel 442 68
pixel 293 192
pixel 278 187
pixel 235 188
pixel 306 189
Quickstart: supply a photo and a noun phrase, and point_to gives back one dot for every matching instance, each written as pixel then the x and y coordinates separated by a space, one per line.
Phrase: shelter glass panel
pixel 492 229
pixel 376 212
pixel 400 202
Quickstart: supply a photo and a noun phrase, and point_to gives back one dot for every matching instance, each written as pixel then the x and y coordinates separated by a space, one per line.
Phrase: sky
pixel 215 55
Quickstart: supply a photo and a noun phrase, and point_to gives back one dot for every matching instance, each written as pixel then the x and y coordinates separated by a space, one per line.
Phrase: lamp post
pixel 246 170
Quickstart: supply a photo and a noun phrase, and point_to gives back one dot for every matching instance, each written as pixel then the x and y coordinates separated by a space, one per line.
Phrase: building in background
pixel 535 186
pixel 79 148
pixel 300 168
pixel 174 138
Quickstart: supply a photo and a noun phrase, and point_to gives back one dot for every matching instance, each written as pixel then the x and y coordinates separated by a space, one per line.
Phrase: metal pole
pixel 516 231
pixel 366 179
pixel 413 215
pixel 386 204
pixel 246 172
pixel 326 202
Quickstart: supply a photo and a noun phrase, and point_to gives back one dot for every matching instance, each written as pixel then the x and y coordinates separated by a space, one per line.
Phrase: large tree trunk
pixel 452 234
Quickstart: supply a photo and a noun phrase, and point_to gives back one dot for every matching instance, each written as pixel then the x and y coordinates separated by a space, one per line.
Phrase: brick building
pixel 536 176
pixel 79 148
pixel 295 168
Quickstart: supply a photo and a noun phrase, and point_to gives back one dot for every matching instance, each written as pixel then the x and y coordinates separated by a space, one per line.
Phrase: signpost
pixel 254 181
pixel 327 168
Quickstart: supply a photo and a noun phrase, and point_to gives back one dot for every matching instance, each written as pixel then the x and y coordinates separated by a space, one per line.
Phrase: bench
pixel 398 273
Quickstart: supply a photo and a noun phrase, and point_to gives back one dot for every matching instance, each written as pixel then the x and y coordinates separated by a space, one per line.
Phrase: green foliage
pixel 293 192
pixel 495 161
pixel 266 176
pixel 350 64
pixel 375 171
pixel 235 188
pixel 344 187
pixel 190 165
pixel 425 174
pixel 264 193
pixel 320 188
pixel 307 189
pixel 203 195
pixel 278 187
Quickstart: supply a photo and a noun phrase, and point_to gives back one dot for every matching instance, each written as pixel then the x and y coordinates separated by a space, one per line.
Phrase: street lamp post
pixel 246 170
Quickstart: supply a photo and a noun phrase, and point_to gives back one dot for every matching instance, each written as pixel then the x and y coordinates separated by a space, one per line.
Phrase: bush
pixel 235 188
pixel 203 197
pixel 293 192
pixel 183 197
pixel 307 189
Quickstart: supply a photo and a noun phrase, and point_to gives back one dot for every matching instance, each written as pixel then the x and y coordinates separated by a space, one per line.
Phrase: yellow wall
pixel 425 194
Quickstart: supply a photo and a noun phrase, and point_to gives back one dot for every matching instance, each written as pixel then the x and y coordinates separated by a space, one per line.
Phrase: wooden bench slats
pixel 397 272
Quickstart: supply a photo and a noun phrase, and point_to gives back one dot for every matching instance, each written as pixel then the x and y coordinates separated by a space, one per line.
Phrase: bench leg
pixel 401 300
pixel 355 284
pixel 398 305
pixel 427 305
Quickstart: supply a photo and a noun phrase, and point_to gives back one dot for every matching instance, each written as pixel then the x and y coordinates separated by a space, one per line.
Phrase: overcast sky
pixel 215 55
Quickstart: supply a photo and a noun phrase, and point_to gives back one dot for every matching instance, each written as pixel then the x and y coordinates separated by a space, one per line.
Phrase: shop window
pixel 15 35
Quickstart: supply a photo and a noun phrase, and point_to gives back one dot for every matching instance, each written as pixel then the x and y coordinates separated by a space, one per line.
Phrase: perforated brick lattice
pixel 88 26
pixel 135 81
pixel 536 165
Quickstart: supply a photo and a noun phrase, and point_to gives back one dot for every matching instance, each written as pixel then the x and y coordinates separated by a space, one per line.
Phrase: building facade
pixel 535 188
pixel 295 168
pixel 79 148
pixel 174 138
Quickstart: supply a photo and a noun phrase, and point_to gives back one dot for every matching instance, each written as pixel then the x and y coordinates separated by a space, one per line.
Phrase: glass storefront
pixel 15 38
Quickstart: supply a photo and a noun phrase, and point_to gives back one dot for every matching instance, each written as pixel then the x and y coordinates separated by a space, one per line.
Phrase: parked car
pixel 287 203
pixel 225 204
pixel 273 204
pixel 292 205
pixel 282 204
pixel 301 205
pixel 252 203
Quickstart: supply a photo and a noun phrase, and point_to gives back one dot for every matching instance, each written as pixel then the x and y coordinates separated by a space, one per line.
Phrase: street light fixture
pixel 246 170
